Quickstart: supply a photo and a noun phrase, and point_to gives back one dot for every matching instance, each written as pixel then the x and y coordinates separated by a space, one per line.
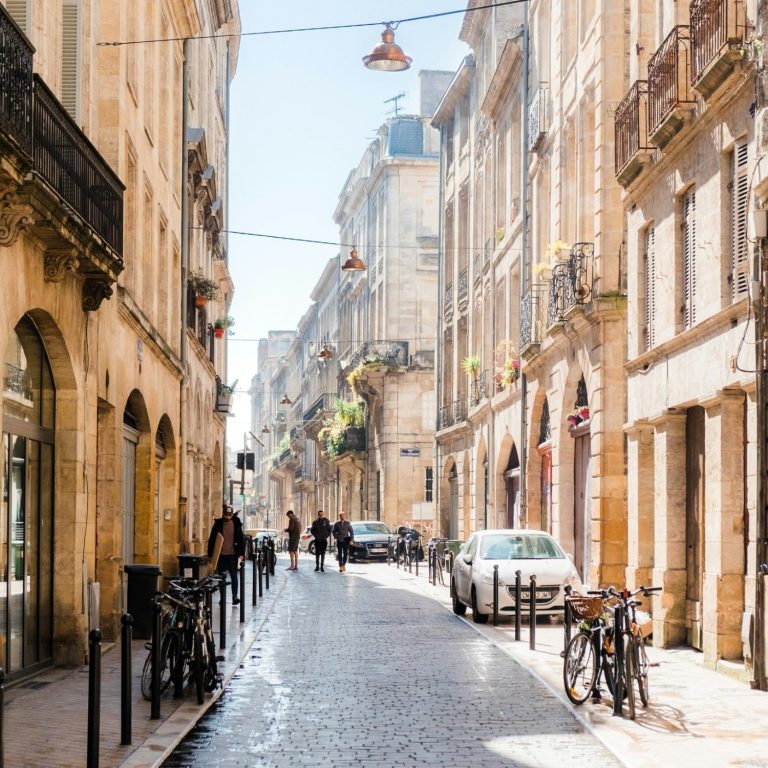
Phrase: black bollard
pixel 126 637
pixel 94 696
pixel 223 613
pixel 2 710
pixel 495 595
pixel 272 556
pixel 389 548
pixel 157 611
pixel 532 615
pixel 416 547
pixel 567 618
pixel 432 563
pixel 410 557
pixel 241 566
pixel 260 568
pixel 267 558
pixel 255 578
pixel 618 649
pixel 518 604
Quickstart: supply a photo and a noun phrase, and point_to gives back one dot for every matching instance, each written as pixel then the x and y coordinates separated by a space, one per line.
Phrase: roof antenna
pixel 396 109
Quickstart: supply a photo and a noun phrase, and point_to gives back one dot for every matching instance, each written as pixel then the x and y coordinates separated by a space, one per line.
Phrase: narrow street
pixel 357 670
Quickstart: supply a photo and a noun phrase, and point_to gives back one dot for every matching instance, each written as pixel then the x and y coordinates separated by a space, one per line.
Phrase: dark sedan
pixel 372 540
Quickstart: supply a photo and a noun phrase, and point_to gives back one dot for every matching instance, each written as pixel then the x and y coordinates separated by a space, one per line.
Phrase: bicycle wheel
pixel 579 668
pixel 629 675
pixel 641 669
pixel 199 665
pixel 211 669
pixel 167 661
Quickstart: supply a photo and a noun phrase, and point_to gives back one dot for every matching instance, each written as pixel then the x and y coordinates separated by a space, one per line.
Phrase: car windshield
pixel 361 529
pixel 509 546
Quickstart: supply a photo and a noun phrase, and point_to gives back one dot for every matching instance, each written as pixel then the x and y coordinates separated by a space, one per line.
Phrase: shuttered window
pixel 19 12
pixel 738 187
pixel 70 48
pixel 650 287
pixel 689 258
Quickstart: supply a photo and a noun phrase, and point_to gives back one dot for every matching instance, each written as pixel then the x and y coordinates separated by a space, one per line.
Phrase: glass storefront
pixel 26 516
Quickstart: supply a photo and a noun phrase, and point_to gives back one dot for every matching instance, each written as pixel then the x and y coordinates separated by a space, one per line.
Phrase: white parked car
pixel 307 541
pixel 529 551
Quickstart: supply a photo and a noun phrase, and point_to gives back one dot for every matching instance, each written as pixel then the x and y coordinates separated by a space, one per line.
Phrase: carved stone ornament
pixel 14 217
pixel 58 262
pixel 94 292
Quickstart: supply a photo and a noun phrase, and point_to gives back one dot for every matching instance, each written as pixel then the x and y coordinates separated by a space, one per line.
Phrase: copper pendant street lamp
pixel 353 263
pixel 387 56
pixel 325 353
pixel 285 400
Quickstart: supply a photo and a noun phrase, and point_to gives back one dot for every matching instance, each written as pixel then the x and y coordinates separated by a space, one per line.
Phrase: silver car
pixel 529 551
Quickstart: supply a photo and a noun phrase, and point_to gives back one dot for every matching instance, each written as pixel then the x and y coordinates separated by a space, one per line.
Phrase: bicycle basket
pixel 585 608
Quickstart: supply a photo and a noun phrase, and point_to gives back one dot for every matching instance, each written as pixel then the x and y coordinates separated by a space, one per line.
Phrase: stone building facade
pixel 108 407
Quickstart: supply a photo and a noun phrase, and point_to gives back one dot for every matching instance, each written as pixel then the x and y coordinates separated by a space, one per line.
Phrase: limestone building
pixel 109 393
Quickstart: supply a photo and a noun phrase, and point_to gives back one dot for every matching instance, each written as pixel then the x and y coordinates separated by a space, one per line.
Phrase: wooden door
pixel 694 524
pixel 581 514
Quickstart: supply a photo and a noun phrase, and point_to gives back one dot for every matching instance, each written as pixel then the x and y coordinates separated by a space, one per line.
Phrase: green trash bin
pixel 142 585
pixel 452 547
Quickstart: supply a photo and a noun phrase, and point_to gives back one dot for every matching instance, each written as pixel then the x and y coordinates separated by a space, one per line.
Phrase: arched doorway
pixel 578 426
pixel 453 503
pixel 27 513
pixel 544 449
pixel 512 487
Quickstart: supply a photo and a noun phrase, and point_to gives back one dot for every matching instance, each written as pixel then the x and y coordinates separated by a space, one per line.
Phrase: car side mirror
pixel 569 555
pixel 467 559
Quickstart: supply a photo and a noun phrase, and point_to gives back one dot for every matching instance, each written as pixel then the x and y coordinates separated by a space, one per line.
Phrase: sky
pixel 303 110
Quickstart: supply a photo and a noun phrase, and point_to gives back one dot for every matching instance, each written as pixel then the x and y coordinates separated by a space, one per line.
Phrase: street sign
pixel 410 452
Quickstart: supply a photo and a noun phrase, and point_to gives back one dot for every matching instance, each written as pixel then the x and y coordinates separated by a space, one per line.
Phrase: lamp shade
pixel 286 400
pixel 265 430
pixel 353 263
pixel 387 56
pixel 325 353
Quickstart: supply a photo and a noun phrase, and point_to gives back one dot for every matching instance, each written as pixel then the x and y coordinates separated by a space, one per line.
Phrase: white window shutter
pixel 739 187
pixel 650 287
pixel 19 12
pixel 70 49
pixel 689 258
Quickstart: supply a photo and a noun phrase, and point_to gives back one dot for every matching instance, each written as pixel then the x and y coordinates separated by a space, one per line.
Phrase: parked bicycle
pixel 186 638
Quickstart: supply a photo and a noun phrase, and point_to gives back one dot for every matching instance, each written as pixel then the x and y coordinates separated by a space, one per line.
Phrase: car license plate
pixel 379 546
pixel 540 595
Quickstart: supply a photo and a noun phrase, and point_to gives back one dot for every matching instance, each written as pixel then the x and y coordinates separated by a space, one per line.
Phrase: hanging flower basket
pixel 219 332
pixel 200 301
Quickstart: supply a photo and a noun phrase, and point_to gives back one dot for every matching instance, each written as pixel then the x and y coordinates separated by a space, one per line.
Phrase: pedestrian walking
pixel 230 527
pixel 343 533
pixel 294 532
pixel 321 530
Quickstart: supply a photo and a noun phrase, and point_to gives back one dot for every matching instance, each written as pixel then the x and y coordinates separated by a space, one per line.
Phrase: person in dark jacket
pixel 230 527
pixel 321 530
pixel 343 533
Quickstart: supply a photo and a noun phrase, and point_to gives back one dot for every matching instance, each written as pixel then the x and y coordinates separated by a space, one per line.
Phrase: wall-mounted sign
pixel 410 451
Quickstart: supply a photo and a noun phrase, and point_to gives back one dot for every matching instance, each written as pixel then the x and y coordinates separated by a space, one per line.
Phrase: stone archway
pixel 169 535
pixel 137 473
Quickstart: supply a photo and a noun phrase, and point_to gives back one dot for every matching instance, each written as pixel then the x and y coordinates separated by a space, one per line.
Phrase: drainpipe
pixel 438 339
pixel 226 257
pixel 523 503
pixel 183 479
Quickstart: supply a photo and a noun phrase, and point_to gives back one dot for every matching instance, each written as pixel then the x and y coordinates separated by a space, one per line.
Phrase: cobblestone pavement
pixel 351 671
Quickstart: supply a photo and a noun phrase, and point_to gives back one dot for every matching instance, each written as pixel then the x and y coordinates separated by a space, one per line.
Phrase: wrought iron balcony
pixel 445 417
pixel 73 167
pixel 448 302
pixel 480 388
pixel 670 97
pixel 323 405
pixel 571 283
pixel 391 353
pixel 717 34
pixel 462 295
pixel 530 324
pixel 630 121
pixel 459 410
pixel 16 77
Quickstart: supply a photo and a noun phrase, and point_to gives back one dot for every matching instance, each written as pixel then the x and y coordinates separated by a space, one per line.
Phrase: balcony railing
pixel 459 410
pixel 537 125
pixel 16 77
pixel 326 402
pixel 480 388
pixel 448 301
pixel 717 32
pixel 530 332
pixel 571 283
pixel 73 167
pixel 445 417
pixel 631 128
pixel 669 91
pixel 392 353
pixel 462 295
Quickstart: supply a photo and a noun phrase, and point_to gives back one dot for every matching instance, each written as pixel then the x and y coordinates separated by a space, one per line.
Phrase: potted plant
pixel 471 365
pixel 510 373
pixel 574 418
pixel 221 325
pixel 223 397
pixel 205 289
pixel 584 412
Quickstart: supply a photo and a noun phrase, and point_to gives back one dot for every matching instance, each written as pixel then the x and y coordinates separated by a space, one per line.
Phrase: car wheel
pixel 477 617
pixel 311 548
pixel 458 607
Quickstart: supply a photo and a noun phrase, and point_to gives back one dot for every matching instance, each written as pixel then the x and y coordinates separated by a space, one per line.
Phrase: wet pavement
pixel 357 670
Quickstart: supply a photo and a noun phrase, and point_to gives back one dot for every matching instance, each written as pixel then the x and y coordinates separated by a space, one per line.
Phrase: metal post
pixel 410 556
pixel 94 696
pixel 567 618
pixel 518 607
pixel 260 568
pixel 254 577
pixel 532 614
pixel 389 547
pixel 126 674
pixel 272 557
pixel 433 564
pixel 157 611
pixel 416 547
pixel 241 566
pixel 495 595
pixel 267 557
pixel 618 650
pixel 223 614
pixel 2 710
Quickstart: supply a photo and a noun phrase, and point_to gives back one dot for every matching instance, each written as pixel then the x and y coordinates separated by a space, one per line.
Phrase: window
pixel 738 189
pixel 649 282
pixel 428 484
pixel 19 12
pixel 689 258
pixel 70 44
